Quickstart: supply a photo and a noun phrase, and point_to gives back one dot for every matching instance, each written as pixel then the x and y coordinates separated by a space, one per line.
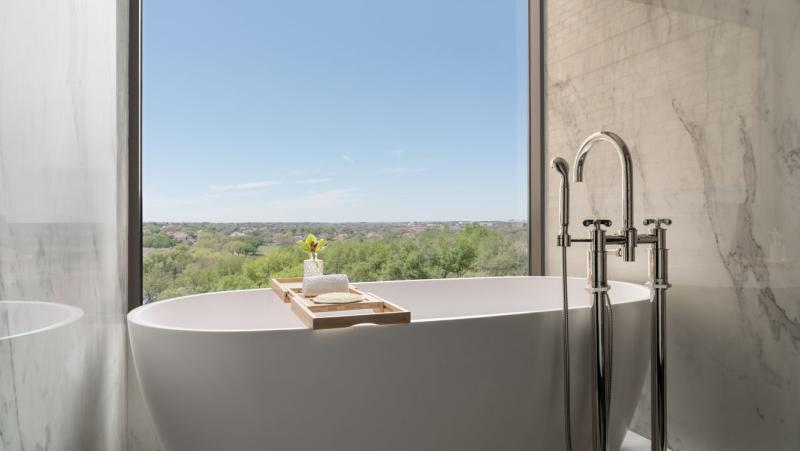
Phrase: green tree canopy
pixel 219 262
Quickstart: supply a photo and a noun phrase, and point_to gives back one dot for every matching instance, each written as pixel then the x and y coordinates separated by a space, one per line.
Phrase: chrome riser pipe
pixel 659 283
pixel 598 287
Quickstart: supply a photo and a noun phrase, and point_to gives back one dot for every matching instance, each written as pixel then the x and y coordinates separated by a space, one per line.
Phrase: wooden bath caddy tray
pixel 331 316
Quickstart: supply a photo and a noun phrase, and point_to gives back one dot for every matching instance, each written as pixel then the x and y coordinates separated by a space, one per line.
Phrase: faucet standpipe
pixel 601 333
pixel 659 284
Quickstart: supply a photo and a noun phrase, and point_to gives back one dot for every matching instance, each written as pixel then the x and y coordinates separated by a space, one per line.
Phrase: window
pixel 396 130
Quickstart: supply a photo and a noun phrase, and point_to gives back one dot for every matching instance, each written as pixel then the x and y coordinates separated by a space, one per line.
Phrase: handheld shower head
pixel 562 167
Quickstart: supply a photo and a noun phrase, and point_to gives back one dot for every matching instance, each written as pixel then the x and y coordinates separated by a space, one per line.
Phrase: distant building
pixel 181 237
pixel 237 234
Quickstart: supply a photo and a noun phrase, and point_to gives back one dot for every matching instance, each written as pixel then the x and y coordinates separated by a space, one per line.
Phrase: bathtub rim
pixel 134 316
pixel 72 314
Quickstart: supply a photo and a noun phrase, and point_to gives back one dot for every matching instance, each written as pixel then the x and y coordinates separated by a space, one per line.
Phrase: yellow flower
pixel 312 245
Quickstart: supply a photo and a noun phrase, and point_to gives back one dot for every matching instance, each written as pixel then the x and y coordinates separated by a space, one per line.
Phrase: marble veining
pixel 747 255
pixel 705 94
pixel 63 227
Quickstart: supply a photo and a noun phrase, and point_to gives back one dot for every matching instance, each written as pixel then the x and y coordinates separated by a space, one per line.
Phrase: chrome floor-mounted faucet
pixel 627 240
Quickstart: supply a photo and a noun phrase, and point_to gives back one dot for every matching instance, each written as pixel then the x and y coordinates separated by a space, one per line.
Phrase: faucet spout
pixel 628 230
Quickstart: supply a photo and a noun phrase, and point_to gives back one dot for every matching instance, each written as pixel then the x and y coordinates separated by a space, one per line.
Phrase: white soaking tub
pixel 478 368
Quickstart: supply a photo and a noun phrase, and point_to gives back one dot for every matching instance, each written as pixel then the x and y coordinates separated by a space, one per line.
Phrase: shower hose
pixel 565 333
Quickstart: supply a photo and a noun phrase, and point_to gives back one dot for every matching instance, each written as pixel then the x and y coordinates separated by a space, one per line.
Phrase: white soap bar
pixel 316 285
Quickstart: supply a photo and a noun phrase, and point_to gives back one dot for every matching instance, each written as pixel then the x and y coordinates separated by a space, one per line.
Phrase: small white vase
pixel 313 267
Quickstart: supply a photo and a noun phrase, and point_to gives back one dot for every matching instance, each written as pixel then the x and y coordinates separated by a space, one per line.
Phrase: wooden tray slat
pixel 290 290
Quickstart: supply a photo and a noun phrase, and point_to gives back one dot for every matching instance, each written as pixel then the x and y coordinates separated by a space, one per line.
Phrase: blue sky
pixel 334 111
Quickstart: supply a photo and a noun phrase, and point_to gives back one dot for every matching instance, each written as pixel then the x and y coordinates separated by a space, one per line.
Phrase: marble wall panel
pixel 63 220
pixel 706 95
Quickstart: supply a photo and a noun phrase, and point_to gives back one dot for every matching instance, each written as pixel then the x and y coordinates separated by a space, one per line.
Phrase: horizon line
pixel 334 222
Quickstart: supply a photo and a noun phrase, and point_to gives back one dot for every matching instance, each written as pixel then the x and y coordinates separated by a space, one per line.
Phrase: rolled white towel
pixel 330 283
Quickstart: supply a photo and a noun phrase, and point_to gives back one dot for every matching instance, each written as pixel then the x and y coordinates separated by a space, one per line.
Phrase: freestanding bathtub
pixel 478 368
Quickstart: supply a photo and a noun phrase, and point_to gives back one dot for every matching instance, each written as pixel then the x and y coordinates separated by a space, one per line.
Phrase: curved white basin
pixel 20 318
pixel 478 368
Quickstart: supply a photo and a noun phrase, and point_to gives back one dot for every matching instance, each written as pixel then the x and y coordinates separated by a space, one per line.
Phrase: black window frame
pixel 536 140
